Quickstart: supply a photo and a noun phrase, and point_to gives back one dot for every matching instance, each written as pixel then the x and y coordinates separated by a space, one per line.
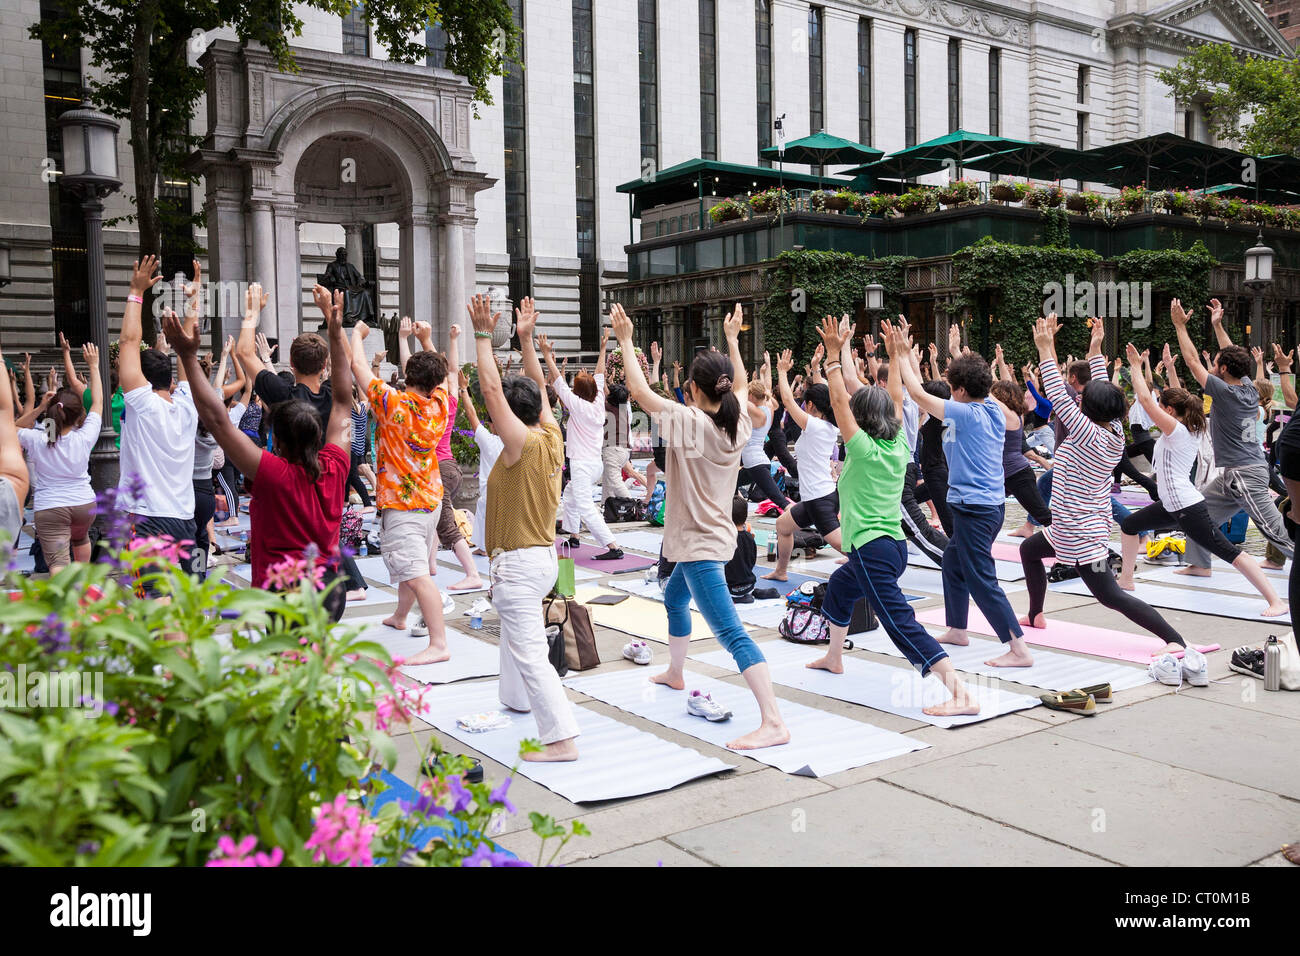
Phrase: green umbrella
pixel 1041 161
pixel 1165 160
pixel 895 167
pixel 821 149
pixel 953 149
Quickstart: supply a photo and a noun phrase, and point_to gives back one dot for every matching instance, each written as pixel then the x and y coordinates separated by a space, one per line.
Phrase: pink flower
pixel 230 853
pixel 340 836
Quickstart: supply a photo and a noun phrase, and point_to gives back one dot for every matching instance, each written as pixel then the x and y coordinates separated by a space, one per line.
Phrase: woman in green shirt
pixel 870 489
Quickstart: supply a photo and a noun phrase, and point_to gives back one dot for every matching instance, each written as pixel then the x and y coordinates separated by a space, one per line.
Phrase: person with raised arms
pixel 704 442
pixel 523 493
pixel 974 438
pixel 875 443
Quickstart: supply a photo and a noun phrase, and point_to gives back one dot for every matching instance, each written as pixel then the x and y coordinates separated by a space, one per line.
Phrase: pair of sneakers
pixel 1193 668
pixel 420 628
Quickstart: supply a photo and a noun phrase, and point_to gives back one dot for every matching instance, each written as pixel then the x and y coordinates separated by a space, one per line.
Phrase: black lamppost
pixel 90 173
pixel 874 302
pixel 1259 276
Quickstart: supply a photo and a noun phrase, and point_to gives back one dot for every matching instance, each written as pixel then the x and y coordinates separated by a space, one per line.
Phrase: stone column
pixel 452 274
pixel 264 265
pixel 288 267
pixel 352 242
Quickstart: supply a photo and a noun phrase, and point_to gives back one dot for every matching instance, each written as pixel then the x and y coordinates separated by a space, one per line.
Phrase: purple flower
pixel 89 848
pixel 52 636
pixel 498 796
pixel 484 855
pixel 462 796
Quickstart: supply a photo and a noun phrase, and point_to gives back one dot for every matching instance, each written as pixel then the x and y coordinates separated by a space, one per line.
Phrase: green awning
pixel 707 177
pixel 821 149
pixel 951 150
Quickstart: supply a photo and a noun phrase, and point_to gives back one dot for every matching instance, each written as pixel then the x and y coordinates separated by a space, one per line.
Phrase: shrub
pixel 726 211
pixel 770 201
pixel 919 199
pixel 960 191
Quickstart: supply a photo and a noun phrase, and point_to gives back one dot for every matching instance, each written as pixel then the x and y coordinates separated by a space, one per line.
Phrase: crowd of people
pixel 859 454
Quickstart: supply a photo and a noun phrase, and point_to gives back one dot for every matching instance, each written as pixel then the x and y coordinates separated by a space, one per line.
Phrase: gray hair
pixel 873 410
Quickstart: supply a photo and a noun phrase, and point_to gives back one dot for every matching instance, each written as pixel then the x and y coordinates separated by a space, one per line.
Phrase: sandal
pixel 1072 702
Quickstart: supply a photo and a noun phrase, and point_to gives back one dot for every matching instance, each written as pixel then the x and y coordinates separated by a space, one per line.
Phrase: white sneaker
pixel 1196 669
pixel 637 652
pixel 1167 670
pixel 419 628
pixel 703 705
pixel 478 608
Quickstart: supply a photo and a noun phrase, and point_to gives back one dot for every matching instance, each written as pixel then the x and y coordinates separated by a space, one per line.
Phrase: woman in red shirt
pixel 298 493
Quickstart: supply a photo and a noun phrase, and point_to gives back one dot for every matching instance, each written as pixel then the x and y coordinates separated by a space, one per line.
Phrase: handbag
pixel 555 648
pixel 579 636
pixel 1290 662
pixel 803 622
pixel 565 577
pixel 619 510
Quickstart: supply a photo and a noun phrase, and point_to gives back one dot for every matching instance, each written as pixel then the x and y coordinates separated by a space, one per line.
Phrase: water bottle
pixel 476 621
pixel 651 574
pixel 364 550
pixel 1272 664
pixel 771 546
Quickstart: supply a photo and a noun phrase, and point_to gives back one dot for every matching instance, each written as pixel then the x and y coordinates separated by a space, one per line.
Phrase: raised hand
pixel 462 380
pixel 264 349
pixel 1177 315
pixel 525 318
pixel 1134 356
pixel 621 324
pixel 481 317
pixel 785 361
pixel 1098 336
pixel 90 353
pixel 1283 359
pixel 656 353
pixel 453 333
pixel 404 327
pixel 1045 330
pixel 832 338
pixel 545 347
pixel 186 346
pixel 819 352
pixel 954 339
pixel 1257 354
pixel 732 323
pixel 255 301
pixel 142 275
pixel 1216 312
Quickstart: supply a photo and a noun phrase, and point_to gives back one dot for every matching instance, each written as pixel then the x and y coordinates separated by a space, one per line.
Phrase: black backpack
pixel 1061 571
pixel 619 510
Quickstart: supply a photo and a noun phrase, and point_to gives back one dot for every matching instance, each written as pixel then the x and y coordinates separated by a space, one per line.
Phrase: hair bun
pixel 722 385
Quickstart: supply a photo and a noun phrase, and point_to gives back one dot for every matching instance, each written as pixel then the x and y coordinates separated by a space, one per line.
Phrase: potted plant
pixel 1290 218
pixel 1043 197
pixel 919 199
pixel 1255 212
pixel 824 200
pixel 1007 192
pixel 958 192
pixel 881 204
pixel 1207 204
pixel 726 211
pixel 1133 198
pixel 1085 202
pixel 770 200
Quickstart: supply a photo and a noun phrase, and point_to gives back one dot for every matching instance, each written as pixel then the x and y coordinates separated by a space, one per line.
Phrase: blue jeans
pixel 1117 511
pixel 705 582
pixel 872 572
pixel 970 573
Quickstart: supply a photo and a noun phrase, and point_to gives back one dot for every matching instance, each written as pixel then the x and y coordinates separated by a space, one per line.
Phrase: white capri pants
pixel 520 580
pixel 577 506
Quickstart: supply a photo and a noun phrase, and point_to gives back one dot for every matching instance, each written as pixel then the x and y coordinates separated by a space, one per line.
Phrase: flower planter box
pixel 1003 192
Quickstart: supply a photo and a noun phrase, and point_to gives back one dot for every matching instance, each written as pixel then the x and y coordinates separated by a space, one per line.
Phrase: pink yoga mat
pixel 584 556
pixel 1006 551
pixel 1068 636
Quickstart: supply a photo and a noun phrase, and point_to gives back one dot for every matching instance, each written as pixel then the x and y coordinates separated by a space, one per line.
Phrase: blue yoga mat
pixel 399 789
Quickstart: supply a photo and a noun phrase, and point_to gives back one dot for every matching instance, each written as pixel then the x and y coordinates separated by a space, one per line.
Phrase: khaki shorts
pixel 448 531
pixel 409 540
pixel 61 529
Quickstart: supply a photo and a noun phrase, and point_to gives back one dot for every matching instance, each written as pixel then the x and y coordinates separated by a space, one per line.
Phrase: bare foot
pixel 1024 531
pixel 1039 621
pixel 430 655
pixel 841 560
pixel 1193 571
pixel 480 552
pixel 1170 648
pixel 667 678
pixel 395 622
pixel 1291 852
pixel 953 707
pixel 1012 659
pixel 767 735
pixel 358 595
pixel 467 584
pixel 1271 566
pixel 775 576
pixel 1274 609
pixel 1126 584
pixel 954 635
pixel 824 664
pixel 559 751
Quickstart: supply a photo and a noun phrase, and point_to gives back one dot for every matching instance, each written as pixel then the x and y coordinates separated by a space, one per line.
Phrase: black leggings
pixel 761 477
pixel 228 482
pixel 1023 486
pixel 355 482
pixel 1126 467
pixel 205 506
pixel 1193 521
pixel 1100 582
pixel 916 526
pixel 934 488
pixel 777 447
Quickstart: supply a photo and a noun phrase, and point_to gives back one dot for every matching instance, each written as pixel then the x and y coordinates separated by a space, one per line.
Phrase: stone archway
pixel 273 159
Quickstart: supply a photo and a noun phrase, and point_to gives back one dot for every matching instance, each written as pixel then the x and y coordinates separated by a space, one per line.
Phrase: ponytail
pixel 67 410
pixel 1186 408
pixel 711 372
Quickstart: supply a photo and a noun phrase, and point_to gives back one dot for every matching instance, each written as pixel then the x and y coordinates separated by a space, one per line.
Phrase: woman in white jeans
pixel 585 402
pixel 523 492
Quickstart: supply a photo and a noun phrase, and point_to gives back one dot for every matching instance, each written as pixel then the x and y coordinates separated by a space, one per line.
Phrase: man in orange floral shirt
pixel 409 424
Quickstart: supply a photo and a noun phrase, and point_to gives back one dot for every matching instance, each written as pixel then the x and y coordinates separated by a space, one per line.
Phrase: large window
pixel 995 92
pixel 909 87
pixel 864 81
pixel 708 79
pixel 356 32
pixel 435 43
pixel 1081 132
pixel 584 150
pixel 763 69
pixel 647 40
pixel 1081 82
pixel 516 149
pixel 63 91
pixel 816 73
pixel 954 85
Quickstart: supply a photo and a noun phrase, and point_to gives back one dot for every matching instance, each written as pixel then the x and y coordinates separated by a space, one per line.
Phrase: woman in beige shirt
pixel 704 444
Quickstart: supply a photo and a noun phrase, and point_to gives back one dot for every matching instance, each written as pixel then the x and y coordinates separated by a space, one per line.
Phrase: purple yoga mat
pixel 584 556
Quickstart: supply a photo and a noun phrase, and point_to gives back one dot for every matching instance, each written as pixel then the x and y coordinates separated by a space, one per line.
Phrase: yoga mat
pixel 638 616
pixel 1069 636
pixel 1007 570
pixel 1050 671
pixel 376 572
pixel 648 541
pixel 653 591
pixel 1230 580
pixel 584 556
pixel 614 759
pixel 820 743
pixel 894 690
pixel 1010 553
pixel 1184 599
pixel 469 657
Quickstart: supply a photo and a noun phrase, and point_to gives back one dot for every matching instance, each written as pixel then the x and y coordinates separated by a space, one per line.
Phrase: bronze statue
pixel 341 275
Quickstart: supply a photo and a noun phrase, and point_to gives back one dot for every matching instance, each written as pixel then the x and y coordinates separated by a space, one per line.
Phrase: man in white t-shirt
pixel 157 457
